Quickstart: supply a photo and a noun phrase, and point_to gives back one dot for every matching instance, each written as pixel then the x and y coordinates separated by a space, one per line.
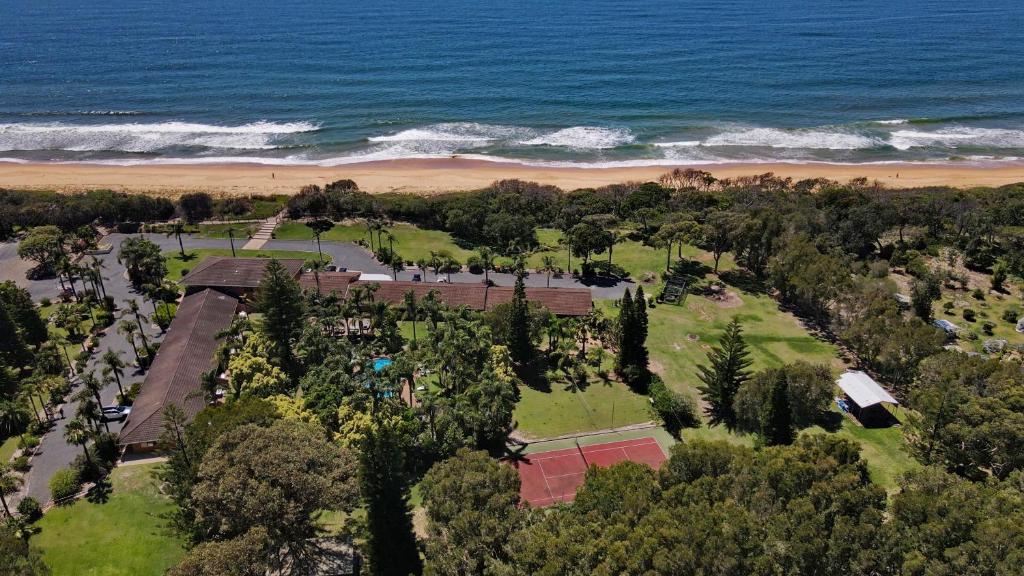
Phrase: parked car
pixel 116 413
pixel 330 268
pixel 417 278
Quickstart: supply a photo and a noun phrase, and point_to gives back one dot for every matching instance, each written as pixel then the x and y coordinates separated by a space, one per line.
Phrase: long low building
pixel 477 296
pixel 176 373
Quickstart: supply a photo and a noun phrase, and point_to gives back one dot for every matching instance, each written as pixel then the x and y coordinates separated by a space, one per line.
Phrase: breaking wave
pixel 153 137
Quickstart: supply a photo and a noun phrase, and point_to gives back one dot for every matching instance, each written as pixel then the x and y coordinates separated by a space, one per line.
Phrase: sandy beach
pixel 433 176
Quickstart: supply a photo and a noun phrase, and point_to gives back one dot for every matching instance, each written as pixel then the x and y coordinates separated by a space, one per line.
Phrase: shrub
pixel 978 294
pixel 878 269
pixel 104 318
pixel 28 442
pixel 65 484
pixel 44 302
pixel 948 307
pixel 969 315
pixel 1010 315
pixel 675 410
pixel 30 509
pixel 184 272
pixel 20 464
pixel 987 328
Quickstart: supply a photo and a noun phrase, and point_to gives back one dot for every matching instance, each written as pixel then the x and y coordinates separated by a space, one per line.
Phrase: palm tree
pixel 487 259
pixel 317 267
pixel 422 264
pixel 8 483
pixel 411 311
pixel 113 364
pixel 133 307
pixel 548 265
pixel 177 228
pixel 231 239
pixel 127 328
pixel 77 433
pixel 449 264
pixel 391 241
pixel 61 342
pixel 13 417
pixel 435 263
pixel 91 411
pixel 97 268
pixel 319 226
pixel 209 381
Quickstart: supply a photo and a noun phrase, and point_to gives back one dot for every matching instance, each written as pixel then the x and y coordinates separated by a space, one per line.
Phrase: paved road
pixel 54 453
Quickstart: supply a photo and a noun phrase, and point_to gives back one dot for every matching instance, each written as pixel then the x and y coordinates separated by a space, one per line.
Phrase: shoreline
pixel 432 176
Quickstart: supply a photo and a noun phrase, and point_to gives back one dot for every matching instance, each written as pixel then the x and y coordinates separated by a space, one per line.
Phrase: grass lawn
pixel 123 536
pixel 411 242
pixel 176 265
pixel 601 405
pixel 7 448
pixel 680 336
pixel 242 230
pixel 885 451
pixel 636 258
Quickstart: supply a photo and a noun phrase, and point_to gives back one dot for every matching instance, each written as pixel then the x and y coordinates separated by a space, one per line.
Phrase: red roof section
pixel 174 377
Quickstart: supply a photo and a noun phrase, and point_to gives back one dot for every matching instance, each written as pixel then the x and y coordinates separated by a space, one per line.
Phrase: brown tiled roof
pixel 187 351
pixel 329 281
pixel 225 272
pixel 561 301
pixel 454 295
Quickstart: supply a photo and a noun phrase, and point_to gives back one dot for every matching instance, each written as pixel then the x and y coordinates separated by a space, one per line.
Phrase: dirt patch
pixel 699 310
pixel 727 299
pixel 693 337
pixel 657 367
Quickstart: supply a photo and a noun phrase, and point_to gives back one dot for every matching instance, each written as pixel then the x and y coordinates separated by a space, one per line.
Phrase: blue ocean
pixel 598 82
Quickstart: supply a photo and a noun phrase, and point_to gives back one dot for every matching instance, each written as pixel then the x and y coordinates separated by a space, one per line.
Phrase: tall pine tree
pixel 632 360
pixel 391 541
pixel 279 298
pixel 722 378
pixel 777 421
pixel 627 335
pixel 520 343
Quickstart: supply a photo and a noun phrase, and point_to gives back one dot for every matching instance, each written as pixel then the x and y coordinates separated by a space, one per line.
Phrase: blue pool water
pixel 381 363
pixel 574 81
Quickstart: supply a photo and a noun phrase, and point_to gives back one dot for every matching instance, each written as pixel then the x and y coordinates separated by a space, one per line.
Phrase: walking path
pixel 264 234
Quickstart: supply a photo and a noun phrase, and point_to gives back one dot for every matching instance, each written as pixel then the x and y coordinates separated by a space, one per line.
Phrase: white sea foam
pixel 681 144
pixel 137 137
pixel 466 133
pixel 582 138
pixel 811 139
pixel 894 122
pixel 957 137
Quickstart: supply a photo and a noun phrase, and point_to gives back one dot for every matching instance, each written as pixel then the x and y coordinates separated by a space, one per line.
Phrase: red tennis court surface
pixel 549 477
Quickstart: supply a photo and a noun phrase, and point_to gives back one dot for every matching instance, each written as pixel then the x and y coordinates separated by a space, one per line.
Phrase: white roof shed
pixel 863 389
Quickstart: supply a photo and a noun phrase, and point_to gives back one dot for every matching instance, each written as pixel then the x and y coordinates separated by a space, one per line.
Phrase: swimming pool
pixel 381 363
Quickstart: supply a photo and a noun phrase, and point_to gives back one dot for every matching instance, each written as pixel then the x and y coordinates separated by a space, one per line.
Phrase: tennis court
pixel 549 477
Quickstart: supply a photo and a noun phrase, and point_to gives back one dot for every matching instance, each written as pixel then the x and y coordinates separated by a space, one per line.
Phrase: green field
pixel 411 242
pixel 123 536
pixel 599 406
pixel 7 448
pixel 242 230
pixel 176 265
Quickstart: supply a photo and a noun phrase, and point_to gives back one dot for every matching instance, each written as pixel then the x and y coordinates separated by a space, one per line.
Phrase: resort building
pixel 175 375
pixel 219 287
